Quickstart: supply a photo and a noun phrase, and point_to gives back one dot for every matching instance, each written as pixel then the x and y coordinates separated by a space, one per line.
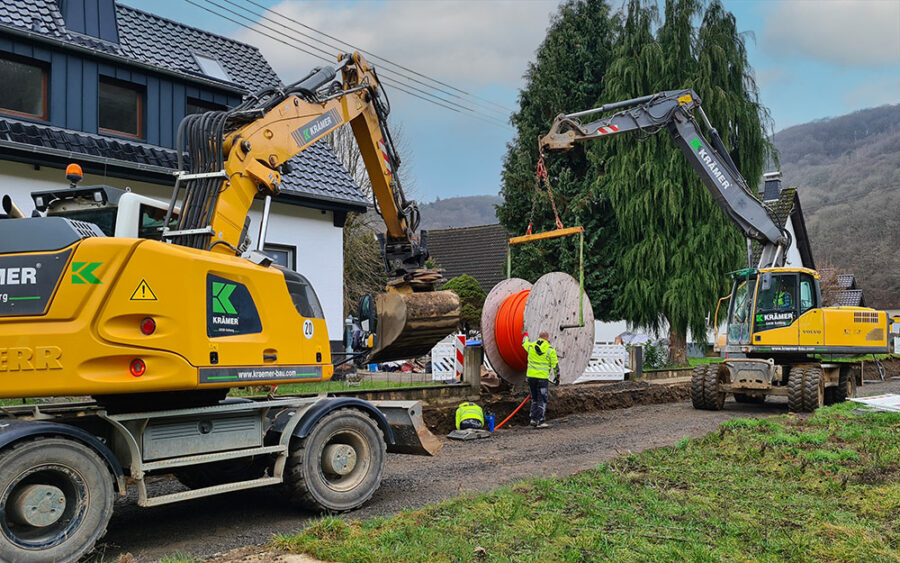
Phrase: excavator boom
pixel 672 110
pixel 241 154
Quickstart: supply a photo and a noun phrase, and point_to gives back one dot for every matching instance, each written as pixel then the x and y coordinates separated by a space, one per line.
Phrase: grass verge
pixel 822 488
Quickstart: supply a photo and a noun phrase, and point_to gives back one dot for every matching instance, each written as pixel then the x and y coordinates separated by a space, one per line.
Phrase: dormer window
pixel 29 96
pixel 121 108
pixel 210 66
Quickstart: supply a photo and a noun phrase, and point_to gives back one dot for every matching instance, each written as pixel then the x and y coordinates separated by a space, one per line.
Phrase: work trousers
pixel 539 391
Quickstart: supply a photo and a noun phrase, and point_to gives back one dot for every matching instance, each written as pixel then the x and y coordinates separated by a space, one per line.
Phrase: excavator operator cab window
pixel 740 311
pixel 303 295
pixel 808 294
pixel 776 305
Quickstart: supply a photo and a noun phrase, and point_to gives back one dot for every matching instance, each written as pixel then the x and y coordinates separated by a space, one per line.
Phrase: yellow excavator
pixel 777 329
pixel 157 331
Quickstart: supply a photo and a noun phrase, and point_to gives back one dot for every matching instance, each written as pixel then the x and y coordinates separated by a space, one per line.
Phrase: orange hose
pixel 508 330
pixel 505 420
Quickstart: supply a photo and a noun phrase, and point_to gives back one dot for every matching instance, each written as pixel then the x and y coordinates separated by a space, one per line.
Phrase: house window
pixel 195 105
pixel 29 96
pixel 282 255
pixel 121 109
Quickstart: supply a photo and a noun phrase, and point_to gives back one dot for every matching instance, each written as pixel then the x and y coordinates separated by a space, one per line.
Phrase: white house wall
pixel 319 243
pixel 793 255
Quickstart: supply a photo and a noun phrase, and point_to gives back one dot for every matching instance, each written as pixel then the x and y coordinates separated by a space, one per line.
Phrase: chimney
pixel 96 18
pixel 772 189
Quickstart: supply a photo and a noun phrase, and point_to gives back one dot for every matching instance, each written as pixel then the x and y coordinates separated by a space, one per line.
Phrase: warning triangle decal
pixel 143 293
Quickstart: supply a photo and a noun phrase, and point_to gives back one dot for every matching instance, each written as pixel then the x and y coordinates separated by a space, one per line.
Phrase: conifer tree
pixel 657 247
pixel 567 75
pixel 676 243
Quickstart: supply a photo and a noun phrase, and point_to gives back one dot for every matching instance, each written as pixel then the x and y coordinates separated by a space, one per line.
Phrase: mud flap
pixel 411 436
pixel 410 324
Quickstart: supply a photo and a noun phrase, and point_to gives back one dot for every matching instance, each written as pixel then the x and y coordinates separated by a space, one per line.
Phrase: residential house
pixel 785 205
pixel 105 86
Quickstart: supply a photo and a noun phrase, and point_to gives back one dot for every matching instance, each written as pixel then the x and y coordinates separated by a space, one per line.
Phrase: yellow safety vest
pixel 541 358
pixel 467 411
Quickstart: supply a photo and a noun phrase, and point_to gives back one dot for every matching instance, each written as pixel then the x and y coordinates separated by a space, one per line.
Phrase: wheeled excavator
pixel 156 332
pixel 777 330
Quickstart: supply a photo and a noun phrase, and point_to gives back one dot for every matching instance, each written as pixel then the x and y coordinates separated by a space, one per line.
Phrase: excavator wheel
pixel 806 389
pixel 339 465
pixel 57 498
pixel 705 385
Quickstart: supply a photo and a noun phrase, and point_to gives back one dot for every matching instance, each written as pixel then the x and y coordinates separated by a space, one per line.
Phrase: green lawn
pixel 822 489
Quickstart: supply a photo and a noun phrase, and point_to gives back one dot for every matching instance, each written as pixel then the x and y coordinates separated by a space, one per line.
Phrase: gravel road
pixel 205 527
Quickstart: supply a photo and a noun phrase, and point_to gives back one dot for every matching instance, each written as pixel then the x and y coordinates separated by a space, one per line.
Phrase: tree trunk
pixel 677 347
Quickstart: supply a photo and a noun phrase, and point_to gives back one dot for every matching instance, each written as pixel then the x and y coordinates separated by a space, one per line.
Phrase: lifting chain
pixel 540 175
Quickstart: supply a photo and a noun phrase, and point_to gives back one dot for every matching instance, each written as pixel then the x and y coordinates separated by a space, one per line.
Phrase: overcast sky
pixel 813 59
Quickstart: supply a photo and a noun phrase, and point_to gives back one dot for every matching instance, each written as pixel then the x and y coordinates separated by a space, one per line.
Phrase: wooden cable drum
pixel 551 305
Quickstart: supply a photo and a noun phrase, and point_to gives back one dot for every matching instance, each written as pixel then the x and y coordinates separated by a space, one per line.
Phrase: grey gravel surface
pixel 205 527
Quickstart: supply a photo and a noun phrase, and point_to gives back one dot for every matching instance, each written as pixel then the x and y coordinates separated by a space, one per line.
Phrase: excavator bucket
pixel 410 434
pixel 410 324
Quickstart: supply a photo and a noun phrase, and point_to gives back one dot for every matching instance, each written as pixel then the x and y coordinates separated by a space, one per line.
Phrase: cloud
pixel 465 43
pixel 845 32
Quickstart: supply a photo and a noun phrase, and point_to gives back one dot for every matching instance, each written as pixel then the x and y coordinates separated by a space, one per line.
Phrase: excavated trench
pixel 575 399
pixel 564 401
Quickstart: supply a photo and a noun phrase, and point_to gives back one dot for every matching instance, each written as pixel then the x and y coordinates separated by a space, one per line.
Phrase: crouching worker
pixel 542 361
pixel 469 415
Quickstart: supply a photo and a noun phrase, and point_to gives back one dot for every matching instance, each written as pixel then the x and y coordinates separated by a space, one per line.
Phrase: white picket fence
pixel 609 362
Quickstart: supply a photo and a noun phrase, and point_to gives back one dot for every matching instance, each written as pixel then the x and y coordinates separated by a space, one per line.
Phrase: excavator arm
pixel 241 154
pixel 673 110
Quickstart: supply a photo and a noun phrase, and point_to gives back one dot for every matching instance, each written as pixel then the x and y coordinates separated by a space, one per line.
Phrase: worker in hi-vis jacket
pixel 542 361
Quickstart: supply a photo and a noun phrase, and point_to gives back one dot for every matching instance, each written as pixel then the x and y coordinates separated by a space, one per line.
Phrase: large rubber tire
pixel 806 390
pixel 221 472
pixel 698 380
pixel 310 485
pixel 67 472
pixel 846 388
pixel 705 392
pixel 744 398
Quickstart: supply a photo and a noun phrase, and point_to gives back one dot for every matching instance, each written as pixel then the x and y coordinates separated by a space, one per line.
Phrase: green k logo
pixel 306 134
pixel 83 272
pixel 222 298
pixel 759 318
pixel 695 144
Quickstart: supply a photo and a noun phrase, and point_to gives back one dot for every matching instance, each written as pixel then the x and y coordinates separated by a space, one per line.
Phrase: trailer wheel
pixel 339 466
pixel 56 498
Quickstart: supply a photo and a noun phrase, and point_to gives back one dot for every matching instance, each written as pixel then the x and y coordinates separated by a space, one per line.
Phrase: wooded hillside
pixel 847 170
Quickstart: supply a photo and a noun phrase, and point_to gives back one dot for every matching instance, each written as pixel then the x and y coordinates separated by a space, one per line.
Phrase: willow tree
pixel 676 244
pixel 567 75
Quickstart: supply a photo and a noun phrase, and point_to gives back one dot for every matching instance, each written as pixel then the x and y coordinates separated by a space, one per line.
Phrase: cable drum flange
pixel 553 307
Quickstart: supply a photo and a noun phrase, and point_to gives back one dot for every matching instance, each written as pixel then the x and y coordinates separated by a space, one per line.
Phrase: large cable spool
pixel 552 305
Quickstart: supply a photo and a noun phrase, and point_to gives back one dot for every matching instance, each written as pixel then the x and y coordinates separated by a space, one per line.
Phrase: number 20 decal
pixel 308 329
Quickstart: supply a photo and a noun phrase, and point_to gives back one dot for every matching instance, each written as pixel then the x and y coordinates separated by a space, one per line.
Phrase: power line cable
pixel 383 59
pixel 327 56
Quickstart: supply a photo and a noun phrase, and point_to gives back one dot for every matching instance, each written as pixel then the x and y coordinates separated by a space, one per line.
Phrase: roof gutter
pixel 121 60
